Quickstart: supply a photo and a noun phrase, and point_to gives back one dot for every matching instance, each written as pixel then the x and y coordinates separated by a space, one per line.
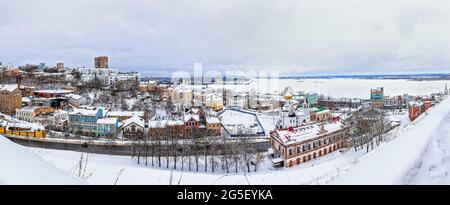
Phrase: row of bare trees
pixel 195 150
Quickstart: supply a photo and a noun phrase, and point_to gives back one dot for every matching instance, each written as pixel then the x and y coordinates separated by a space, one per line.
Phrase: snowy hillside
pixel 20 166
pixel 420 154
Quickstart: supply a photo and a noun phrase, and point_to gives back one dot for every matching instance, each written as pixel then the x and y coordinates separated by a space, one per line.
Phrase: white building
pixel 238 101
pixel 114 78
pixel 181 95
pixel 293 116
pixel 77 100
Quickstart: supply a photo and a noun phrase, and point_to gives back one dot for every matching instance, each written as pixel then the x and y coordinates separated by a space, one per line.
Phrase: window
pixel 298 149
pixel 290 152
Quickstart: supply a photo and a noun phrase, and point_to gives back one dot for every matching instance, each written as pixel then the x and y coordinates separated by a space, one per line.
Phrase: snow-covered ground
pixel 418 155
pixel 19 166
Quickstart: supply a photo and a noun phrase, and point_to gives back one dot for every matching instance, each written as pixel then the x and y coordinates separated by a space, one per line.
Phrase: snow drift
pixel 398 161
pixel 20 166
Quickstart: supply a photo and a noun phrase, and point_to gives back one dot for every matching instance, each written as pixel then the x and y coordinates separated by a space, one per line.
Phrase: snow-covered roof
pixel 134 119
pixel 240 122
pixel 415 103
pixel 52 91
pixel 124 113
pixel 85 112
pixel 8 87
pixel 307 132
pixel 188 117
pixel 107 121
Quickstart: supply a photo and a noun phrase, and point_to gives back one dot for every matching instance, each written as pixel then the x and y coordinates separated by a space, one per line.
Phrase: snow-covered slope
pixel 401 160
pixel 20 166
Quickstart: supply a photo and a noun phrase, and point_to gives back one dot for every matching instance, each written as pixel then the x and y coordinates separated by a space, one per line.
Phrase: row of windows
pixel 316 154
pixel 312 145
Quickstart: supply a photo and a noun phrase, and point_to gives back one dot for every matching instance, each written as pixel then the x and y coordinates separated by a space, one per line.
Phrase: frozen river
pixel 344 87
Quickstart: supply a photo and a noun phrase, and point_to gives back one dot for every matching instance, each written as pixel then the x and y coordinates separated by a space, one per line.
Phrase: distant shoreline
pixel 413 77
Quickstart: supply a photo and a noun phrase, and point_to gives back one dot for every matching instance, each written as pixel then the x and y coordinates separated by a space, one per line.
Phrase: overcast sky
pixel 294 37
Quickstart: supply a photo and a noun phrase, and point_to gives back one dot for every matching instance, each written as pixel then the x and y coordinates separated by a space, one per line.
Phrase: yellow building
pixel 214 102
pixel 11 126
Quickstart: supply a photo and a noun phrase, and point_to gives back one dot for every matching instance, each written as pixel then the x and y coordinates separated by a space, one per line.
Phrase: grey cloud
pixel 291 36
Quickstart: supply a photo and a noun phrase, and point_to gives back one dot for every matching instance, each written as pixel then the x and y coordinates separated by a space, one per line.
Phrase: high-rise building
pixel 377 97
pixel 101 62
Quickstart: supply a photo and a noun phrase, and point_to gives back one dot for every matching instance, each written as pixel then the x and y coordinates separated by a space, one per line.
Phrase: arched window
pixel 309 157
pixel 304 158
pixel 314 155
pixel 325 151
pixel 298 160
pixel 320 153
pixel 329 150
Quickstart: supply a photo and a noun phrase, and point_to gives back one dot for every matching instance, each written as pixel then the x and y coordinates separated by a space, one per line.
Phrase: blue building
pixel 84 121
pixel 107 127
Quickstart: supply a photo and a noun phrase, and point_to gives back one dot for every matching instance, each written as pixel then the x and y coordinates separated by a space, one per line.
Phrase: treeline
pixel 196 150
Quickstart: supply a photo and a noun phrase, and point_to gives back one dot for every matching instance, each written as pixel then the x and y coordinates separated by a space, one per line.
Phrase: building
pixel 101 62
pixel 77 100
pixel 107 127
pixel 59 120
pixel 194 117
pixel 237 101
pixel 30 114
pixel 133 128
pixel 320 114
pixel 397 101
pixel 415 108
pixel 293 116
pixel 213 125
pixel 180 95
pixel 339 103
pixel 445 90
pixel 124 115
pixel 130 77
pixel 149 86
pixel 100 74
pixel 214 101
pixel 84 121
pixel 27 91
pixel 294 146
pixel 377 97
pixel 10 98
pixel 426 105
pixel 51 93
pixel 12 126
